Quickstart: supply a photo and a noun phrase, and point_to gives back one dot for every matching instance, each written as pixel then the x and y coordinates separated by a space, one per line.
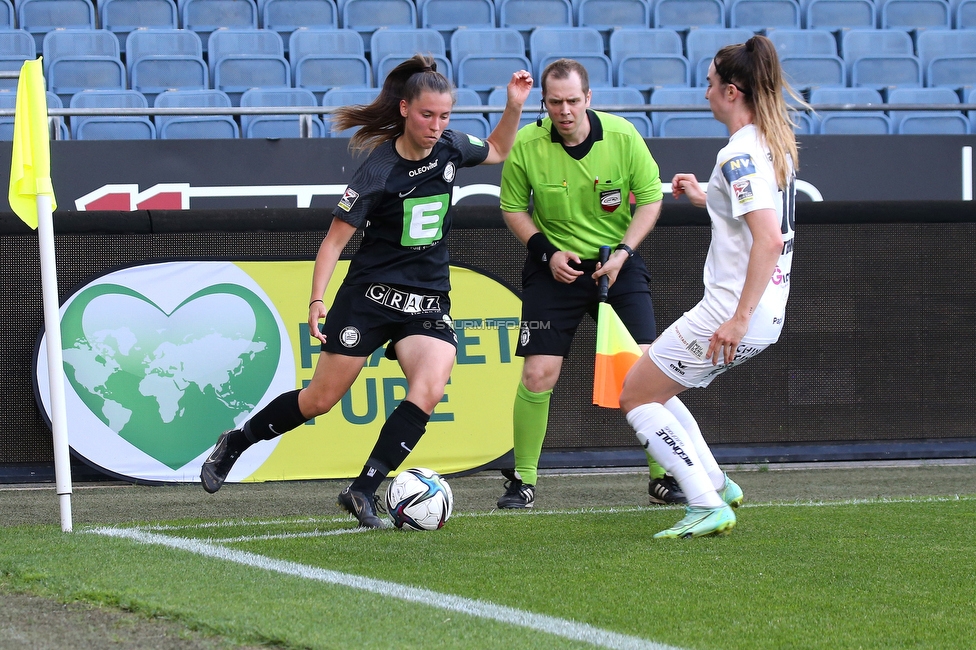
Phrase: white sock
pixel 687 420
pixel 663 436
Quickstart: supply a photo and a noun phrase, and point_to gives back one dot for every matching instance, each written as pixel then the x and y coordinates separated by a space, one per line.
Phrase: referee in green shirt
pixel 579 168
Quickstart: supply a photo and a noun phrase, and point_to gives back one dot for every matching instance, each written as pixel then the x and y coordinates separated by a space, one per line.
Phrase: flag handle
pixel 604 286
pixel 55 364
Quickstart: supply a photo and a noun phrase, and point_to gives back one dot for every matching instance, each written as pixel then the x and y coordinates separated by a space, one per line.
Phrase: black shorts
pixel 551 310
pixel 364 317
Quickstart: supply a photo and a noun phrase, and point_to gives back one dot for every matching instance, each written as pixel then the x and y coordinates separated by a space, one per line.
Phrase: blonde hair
pixel 754 68
pixel 381 120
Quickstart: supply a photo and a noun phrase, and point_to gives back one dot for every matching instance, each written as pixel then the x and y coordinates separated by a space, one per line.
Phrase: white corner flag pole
pixel 55 364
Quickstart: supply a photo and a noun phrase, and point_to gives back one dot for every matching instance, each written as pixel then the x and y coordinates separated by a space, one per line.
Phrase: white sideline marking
pixel 538 622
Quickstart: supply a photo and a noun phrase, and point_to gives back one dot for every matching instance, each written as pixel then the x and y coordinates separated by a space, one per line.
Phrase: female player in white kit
pixel 750 202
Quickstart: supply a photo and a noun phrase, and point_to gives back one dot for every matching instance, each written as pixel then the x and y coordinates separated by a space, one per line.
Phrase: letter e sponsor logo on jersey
pixel 610 200
pixel 738 167
pixel 743 190
pixel 423 220
pixel 348 199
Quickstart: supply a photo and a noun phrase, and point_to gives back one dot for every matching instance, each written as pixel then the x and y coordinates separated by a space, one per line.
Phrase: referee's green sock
pixel 655 470
pixel 530 417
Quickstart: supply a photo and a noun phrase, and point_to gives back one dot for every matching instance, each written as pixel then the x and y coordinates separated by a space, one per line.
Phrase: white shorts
pixel 680 354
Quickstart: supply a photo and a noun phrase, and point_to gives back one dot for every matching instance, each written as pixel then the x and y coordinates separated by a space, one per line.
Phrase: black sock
pixel 401 433
pixel 280 416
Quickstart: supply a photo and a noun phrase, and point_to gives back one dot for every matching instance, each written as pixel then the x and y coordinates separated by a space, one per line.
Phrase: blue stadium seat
pixel 624 97
pixel 485 58
pixel 322 59
pixel 971 99
pixel 399 44
pixel 598 67
pixel 285 16
pixel 38 17
pixel 926 122
pixel 366 16
pixel 8 17
pixel 703 44
pixel 948 57
pixel 391 61
pixel 851 122
pixel 247 58
pixel 526 15
pixel 545 42
pixel 965 17
pixel 278 126
pixel 805 72
pixel 16 46
pixel 165 59
pixel 122 16
pixel 8 99
pixel 194 127
pixel 643 72
pixel 803 42
pixel 856 43
pixel 684 14
pixel 346 97
pixel 485 41
pixel 206 16
pixel 121 127
pixel 915 14
pixel 446 16
pixel 764 14
pixel 805 125
pixel 606 16
pixel 834 15
pixel 531 111
pixel 472 123
pixel 81 59
pixel 628 42
pixel 883 72
pixel 684 124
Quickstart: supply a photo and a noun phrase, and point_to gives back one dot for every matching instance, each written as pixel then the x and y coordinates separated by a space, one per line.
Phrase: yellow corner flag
pixel 616 352
pixel 30 160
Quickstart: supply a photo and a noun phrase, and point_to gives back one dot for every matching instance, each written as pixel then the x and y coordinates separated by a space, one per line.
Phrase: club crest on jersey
pixel 743 190
pixel 348 199
pixel 610 200
pixel 738 167
pixel 449 172
pixel 349 336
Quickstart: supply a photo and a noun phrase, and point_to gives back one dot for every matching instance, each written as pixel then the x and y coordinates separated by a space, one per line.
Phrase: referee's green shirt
pixel 580 205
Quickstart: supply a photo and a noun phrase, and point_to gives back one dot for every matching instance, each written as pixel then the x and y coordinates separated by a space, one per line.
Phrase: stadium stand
pixel 38 17
pixel 684 124
pixel 123 16
pixel 915 14
pixel 702 45
pixel 279 126
pixel 8 100
pixel 16 45
pixel 205 16
pixel 965 16
pixel 322 59
pixel 607 16
pixel 948 58
pixel 682 15
pixel 120 127
pixel 851 122
pixel 165 59
pixel 527 15
pixel 927 122
pixel 285 16
pixel 8 18
pixel 346 97
pixel 531 111
pixel 886 72
pixel 625 97
pixel 764 14
pixel 803 42
pixel 390 46
pixel 194 127
pixel 81 59
pixel 247 58
pixel 471 123
pixel 366 16
pixel 446 16
pixel 834 15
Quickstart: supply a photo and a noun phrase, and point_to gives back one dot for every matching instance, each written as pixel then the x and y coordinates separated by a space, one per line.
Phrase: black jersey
pixel 403 207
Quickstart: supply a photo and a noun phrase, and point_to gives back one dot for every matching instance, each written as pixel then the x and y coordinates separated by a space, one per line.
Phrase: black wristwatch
pixel 624 247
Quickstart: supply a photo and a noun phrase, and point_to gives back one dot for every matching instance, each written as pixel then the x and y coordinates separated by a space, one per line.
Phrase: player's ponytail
pixel 754 68
pixel 381 121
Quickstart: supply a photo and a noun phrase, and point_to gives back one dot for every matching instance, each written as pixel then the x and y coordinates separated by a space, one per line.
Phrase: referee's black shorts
pixel 551 310
pixel 364 317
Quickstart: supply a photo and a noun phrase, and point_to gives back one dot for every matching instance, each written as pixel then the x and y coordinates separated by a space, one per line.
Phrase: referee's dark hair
pixel 381 120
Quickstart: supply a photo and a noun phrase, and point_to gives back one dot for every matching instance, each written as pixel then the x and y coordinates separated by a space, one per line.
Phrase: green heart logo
pixel 170 382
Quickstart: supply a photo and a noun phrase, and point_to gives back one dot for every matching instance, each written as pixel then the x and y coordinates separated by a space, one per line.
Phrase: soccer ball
pixel 419 499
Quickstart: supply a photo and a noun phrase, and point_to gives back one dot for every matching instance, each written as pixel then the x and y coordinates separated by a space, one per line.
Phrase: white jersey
pixel 743 181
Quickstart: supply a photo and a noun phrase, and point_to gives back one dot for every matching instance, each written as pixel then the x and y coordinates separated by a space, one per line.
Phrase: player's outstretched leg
pixel 230 445
pixel 731 493
pixel 700 522
pixel 517 493
pixel 364 506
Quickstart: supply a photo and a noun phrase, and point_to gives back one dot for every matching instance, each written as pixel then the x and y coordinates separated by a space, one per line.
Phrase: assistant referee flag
pixel 616 352
pixel 30 160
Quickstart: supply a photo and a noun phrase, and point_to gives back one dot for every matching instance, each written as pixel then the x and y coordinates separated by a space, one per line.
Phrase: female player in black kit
pixel 397 285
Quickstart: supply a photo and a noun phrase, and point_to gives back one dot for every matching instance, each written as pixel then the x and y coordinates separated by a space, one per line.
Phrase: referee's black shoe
pixel 362 506
pixel 217 466
pixel 517 494
pixel 665 491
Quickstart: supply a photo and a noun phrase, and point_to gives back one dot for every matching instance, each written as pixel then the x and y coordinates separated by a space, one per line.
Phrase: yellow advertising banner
pixel 161 358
